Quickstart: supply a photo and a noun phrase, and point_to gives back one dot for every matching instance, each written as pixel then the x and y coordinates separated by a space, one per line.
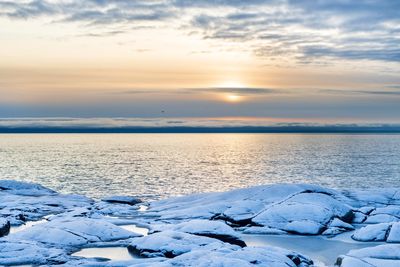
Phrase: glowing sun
pixel 233 98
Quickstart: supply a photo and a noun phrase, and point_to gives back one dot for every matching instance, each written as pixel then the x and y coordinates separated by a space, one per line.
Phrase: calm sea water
pixel 156 166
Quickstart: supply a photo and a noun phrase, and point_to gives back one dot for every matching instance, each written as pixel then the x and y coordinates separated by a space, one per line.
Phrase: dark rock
pixel 4 227
pixel 226 238
pixel 122 200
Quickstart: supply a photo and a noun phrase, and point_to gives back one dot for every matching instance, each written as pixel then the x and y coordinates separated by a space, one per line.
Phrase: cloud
pixel 238 91
pixel 386 54
pixel 361 92
pixel 184 125
pixel 213 90
pixel 295 30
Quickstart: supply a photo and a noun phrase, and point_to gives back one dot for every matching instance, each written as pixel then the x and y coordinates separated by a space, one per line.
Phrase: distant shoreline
pixel 196 129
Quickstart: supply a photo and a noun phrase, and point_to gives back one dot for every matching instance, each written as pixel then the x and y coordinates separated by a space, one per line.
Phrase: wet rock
pixel 25 188
pixel 4 227
pixel 123 200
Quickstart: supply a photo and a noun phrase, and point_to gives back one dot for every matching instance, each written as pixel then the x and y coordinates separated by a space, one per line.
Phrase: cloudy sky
pixel 278 59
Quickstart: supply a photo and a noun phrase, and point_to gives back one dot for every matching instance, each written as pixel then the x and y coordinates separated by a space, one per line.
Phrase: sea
pixel 157 166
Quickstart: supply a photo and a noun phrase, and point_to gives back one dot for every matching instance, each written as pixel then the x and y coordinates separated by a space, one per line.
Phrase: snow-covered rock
pixel 374 232
pixel 213 229
pixel 129 200
pixel 394 234
pixel 249 256
pixel 381 218
pixel 73 233
pixel 171 244
pixel 25 188
pixel 389 232
pixel 20 202
pixel 379 256
pixel 306 213
pixel 263 230
pixel 196 230
pixel 29 252
pixel 302 209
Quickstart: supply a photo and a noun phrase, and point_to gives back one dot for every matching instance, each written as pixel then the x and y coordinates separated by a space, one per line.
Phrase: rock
pixel 123 200
pixel 340 224
pixel 230 204
pixel 381 218
pixel 242 212
pixel 304 227
pixel 306 213
pixel 366 209
pixel 374 232
pixel 359 217
pixel 19 208
pixel 243 257
pixel 4 227
pixel 263 230
pixel 394 234
pixel 212 229
pixel 24 188
pixel 170 244
pixel 29 252
pixel 393 210
pixel 378 256
pixel 332 231
pixel 76 232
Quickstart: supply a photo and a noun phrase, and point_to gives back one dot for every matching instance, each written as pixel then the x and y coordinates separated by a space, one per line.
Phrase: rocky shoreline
pixel 42 227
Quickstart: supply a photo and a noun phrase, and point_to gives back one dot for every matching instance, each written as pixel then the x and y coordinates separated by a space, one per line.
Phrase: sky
pixel 273 60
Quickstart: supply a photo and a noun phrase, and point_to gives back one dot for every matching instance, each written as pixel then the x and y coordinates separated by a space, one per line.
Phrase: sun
pixel 233 98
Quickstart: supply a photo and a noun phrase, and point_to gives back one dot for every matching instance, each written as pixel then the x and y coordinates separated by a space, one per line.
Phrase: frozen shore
pixel 271 225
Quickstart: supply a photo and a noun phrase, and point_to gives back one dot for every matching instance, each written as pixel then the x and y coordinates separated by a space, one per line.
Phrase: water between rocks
pixel 110 253
pixel 322 250
pixel 113 253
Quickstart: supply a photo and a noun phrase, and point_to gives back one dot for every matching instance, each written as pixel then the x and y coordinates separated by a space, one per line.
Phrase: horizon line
pixel 339 129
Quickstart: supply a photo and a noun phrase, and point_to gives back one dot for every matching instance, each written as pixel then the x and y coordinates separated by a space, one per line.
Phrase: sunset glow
pixel 233 98
pixel 135 58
